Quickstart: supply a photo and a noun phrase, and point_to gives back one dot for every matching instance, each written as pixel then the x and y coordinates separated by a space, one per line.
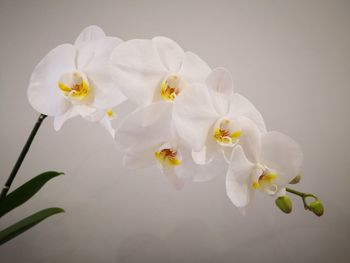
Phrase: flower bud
pixel 317 208
pixel 295 180
pixel 284 203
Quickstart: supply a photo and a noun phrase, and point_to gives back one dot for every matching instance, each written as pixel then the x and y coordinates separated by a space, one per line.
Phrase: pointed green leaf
pixel 25 192
pixel 27 223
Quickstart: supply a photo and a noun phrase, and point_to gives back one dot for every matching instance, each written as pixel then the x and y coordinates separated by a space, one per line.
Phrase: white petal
pixel 122 111
pixel 173 178
pixel 140 157
pixel 139 68
pixel 250 139
pixel 43 92
pixel 216 166
pixel 95 53
pixel 88 34
pixel 227 153
pixel 85 111
pixel 86 43
pixel 106 93
pixel 220 86
pixel 107 124
pixel 241 106
pixel 170 53
pixel 283 154
pixel 210 151
pixel 194 69
pixel 148 125
pixel 194 115
pixel 61 119
pixel 85 54
pixel 105 47
pixel 200 157
pixel 238 178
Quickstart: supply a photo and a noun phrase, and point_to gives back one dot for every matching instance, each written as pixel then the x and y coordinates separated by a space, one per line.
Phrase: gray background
pixel 290 58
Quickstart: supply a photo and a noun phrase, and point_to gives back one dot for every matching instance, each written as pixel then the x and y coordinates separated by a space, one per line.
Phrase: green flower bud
pixel 296 179
pixel 317 208
pixel 284 203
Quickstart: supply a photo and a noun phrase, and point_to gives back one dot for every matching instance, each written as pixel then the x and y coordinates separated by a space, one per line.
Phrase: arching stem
pixel 21 157
pixel 303 196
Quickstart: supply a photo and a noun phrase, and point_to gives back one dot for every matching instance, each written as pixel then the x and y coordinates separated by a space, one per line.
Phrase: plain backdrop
pixel 290 58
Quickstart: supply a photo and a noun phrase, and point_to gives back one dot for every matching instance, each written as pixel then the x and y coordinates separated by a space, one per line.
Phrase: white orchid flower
pixel 148 138
pixel 211 118
pixel 277 160
pixel 77 79
pixel 156 69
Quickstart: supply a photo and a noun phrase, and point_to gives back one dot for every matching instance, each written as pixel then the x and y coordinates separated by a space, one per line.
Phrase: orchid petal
pixel 88 34
pixel 106 93
pixel 148 125
pixel 61 119
pixel 283 154
pixel 96 51
pixel 86 44
pixel 194 69
pixel 194 115
pixel 139 68
pixel 170 53
pixel 250 139
pixel 238 178
pixel 220 86
pixel 227 153
pixel 241 106
pixel 43 92
pixel 140 157
pixel 98 115
pixel 107 124
pixel 85 110
pixel 104 49
pixel 172 176
pixel 215 166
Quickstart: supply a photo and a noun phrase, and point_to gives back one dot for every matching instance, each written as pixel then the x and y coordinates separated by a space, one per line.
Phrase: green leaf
pixel 27 223
pixel 25 192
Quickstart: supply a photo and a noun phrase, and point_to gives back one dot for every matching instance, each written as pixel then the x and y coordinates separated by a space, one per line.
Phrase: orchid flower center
pixel 168 156
pixel 74 85
pixel 110 113
pixel 227 132
pixel 263 179
pixel 170 87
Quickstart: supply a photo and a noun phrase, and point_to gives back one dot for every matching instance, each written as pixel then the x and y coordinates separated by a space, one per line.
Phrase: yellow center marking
pixel 79 89
pixel 110 113
pixel 169 88
pixel 264 180
pixel 167 157
pixel 224 136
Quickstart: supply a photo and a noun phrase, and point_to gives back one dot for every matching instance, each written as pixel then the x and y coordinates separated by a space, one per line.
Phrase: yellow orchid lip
pixel 170 87
pixel 265 182
pixel 264 179
pixel 224 134
pixel 167 157
pixel 74 85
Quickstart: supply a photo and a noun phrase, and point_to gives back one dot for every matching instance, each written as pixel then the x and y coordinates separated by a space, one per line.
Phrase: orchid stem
pixel 21 157
pixel 302 195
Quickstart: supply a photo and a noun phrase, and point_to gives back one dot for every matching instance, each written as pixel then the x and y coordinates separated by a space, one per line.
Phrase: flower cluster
pixel 184 116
